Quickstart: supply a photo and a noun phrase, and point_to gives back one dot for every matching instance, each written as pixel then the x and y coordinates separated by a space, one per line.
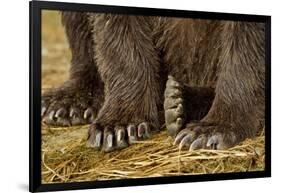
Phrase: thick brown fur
pixel 129 66
pixel 219 64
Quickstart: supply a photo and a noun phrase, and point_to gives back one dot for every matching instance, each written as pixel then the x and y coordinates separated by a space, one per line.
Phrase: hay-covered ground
pixel 65 157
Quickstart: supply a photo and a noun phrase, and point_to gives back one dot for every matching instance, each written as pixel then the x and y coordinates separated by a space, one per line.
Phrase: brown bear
pixel 209 75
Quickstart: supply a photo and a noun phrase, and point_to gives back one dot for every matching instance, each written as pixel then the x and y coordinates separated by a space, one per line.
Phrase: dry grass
pixel 65 157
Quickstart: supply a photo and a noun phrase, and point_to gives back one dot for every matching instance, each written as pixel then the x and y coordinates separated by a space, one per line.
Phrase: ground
pixel 65 157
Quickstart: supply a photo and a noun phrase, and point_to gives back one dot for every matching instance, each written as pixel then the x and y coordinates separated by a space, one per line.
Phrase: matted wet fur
pixel 121 63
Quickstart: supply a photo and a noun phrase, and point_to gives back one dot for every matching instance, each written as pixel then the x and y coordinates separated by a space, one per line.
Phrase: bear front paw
pixel 206 136
pixel 110 138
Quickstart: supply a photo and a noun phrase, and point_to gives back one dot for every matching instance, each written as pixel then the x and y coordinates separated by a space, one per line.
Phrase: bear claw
pixel 117 137
pixel 205 138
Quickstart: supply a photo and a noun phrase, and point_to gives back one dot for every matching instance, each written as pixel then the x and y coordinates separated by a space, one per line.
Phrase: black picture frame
pixel 35 8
